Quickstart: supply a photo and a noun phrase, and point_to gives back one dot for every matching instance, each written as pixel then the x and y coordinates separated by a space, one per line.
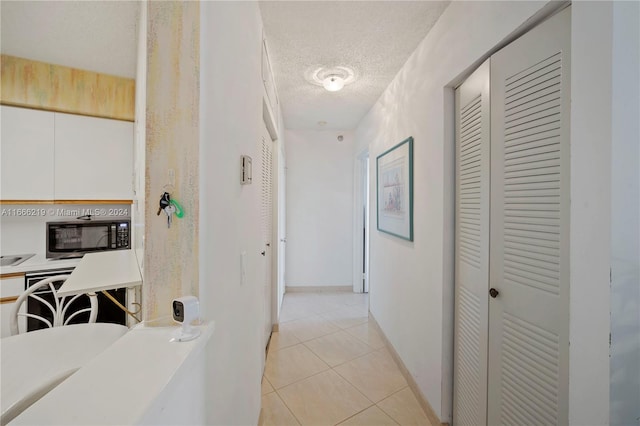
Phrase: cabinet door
pixel 10 289
pixel 93 158
pixel 26 154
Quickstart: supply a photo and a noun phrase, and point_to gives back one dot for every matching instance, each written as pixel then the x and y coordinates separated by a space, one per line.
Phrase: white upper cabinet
pixel 93 158
pixel 26 154
pixel 53 156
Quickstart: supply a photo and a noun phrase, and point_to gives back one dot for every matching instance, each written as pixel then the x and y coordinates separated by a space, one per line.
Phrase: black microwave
pixel 74 239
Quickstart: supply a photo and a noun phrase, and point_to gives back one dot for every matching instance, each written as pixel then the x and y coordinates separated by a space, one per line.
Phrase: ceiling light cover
pixel 332 79
pixel 333 83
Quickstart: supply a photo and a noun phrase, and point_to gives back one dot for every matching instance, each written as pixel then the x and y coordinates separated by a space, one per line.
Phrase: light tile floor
pixel 328 365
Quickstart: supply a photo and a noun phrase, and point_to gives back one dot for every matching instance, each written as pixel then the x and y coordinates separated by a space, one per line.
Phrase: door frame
pixel 278 207
pixel 449 299
pixel 361 191
pixel 279 229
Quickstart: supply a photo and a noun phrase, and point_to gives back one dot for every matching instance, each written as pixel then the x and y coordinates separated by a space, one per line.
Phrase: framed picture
pixel 395 190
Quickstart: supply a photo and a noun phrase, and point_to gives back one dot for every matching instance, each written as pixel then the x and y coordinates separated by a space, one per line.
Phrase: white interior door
pixel 366 212
pixel 472 248
pixel 529 254
pixel 282 222
pixel 361 223
pixel 266 201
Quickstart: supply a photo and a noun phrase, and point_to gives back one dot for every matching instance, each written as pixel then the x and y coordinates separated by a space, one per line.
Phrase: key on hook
pixel 165 200
pixel 170 210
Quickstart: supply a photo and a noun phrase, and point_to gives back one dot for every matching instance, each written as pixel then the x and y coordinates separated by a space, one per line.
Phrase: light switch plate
pixel 245 170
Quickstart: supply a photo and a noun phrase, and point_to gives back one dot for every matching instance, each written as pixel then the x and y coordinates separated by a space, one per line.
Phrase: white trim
pixel 359 197
pixel 590 223
pixel 318 288
pixel 279 227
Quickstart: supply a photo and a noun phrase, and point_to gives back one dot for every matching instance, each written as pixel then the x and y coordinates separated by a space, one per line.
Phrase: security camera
pixel 185 310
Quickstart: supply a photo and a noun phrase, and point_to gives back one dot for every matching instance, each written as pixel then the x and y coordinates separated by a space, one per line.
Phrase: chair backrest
pixel 59 311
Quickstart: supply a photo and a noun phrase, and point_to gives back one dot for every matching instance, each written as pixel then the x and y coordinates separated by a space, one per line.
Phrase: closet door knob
pixel 493 292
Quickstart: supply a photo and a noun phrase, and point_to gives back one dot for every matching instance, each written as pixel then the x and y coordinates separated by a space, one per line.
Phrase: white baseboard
pixel 422 400
pixel 319 289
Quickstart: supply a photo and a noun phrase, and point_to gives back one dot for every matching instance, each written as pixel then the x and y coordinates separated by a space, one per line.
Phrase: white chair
pixel 59 311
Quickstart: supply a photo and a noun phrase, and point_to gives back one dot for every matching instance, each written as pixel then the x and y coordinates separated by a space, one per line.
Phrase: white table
pixel 34 363
pixel 103 271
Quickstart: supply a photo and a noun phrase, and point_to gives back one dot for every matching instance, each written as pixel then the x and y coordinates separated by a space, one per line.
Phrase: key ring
pixel 179 212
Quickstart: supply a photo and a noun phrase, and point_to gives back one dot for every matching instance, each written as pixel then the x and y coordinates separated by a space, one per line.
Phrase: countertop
pixel 27 373
pixel 39 263
pixel 123 383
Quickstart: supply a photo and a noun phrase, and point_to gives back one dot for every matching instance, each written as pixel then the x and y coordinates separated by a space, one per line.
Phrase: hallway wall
pixel 412 282
pixel 231 110
pixel 319 208
pixel 625 220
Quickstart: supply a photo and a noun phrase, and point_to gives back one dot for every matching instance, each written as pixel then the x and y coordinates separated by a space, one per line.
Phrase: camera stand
pixel 185 333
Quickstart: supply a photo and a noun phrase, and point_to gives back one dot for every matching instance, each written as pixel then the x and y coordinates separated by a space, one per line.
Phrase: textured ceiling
pixel 92 35
pixel 375 38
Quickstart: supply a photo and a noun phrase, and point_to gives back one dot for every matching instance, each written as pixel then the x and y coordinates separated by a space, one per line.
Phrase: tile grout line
pixel 357 390
pixel 353 308
pixel 287 407
pixel 352 416
pixel 413 386
pixel 270 384
pixel 389 414
pixel 317 374
pixel 371 349
pixel 307 377
pixel 352 384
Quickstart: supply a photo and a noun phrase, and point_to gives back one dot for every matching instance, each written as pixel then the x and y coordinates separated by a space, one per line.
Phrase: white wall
pixel 231 119
pixel 319 208
pixel 412 283
pixel 590 240
pixel 625 216
pixel 139 147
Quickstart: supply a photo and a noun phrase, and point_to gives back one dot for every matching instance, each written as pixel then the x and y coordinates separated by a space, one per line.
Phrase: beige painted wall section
pixel 39 85
pixel 172 135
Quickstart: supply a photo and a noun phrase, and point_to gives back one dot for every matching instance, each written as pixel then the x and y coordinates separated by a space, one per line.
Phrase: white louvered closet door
pixel 266 211
pixel 529 254
pixel 472 248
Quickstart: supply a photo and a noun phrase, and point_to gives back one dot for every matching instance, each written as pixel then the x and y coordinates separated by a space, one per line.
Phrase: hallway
pixel 328 365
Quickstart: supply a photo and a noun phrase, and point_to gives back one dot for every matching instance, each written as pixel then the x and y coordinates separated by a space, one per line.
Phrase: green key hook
pixel 179 211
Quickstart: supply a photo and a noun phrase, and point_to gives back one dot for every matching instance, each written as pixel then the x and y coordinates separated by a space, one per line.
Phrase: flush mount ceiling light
pixel 333 83
pixel 332 79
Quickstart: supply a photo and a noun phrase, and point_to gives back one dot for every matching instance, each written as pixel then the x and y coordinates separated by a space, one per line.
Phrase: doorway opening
pixel 361 240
